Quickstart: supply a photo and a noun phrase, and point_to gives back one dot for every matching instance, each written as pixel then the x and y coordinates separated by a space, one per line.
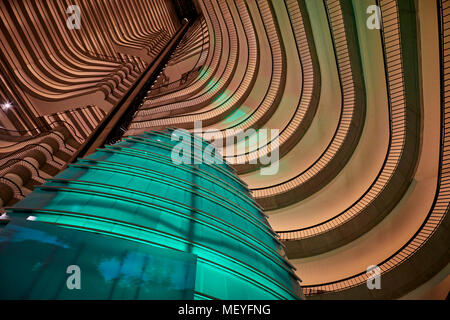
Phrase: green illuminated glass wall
pixel 140 226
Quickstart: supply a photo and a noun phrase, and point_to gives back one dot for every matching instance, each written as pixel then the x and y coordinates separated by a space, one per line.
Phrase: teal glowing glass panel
pixel 132 193
pixel 36 257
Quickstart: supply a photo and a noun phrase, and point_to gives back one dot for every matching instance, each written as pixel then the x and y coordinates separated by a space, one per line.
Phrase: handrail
pixel 117 58
pixel 11 162
pixel 201 61
pixel 47 127
pixel 28 138
pixel 174 84
pixel 18 194
pixel 211 61
pixel 436 214
pixel 114 120
pixel 309 76
pixel 393 156
pixel 247 155
pixel 441 202
pixel 28 148
pixel 349 125
pixel 227 104
pixel 220 81
pixel 194 68
pixel 54 134
pixel 197 84
pixel 124 58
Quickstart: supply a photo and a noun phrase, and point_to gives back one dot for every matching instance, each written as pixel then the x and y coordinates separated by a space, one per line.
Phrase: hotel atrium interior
pixel 225 149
